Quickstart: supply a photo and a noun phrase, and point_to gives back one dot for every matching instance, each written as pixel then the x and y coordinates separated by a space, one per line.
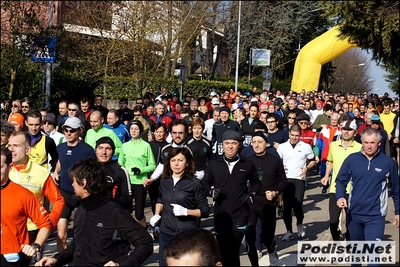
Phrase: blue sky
pixel 380 86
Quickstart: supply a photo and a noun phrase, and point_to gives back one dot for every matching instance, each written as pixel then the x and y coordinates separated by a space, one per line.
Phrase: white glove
pixel 154 220
pixel 179 210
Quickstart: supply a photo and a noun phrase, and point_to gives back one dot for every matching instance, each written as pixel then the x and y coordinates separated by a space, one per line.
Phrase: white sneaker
pixel 287 236
pixel 300 230
pixel 259 253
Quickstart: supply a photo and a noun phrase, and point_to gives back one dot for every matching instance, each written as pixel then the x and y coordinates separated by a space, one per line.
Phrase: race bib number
pixel 220 149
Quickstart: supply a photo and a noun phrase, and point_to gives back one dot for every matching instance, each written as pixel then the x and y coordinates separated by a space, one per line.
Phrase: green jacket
pixel 137 154
pixel 92 136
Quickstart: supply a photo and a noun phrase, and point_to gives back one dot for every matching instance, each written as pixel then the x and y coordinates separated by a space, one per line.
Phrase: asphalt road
pixel 316 224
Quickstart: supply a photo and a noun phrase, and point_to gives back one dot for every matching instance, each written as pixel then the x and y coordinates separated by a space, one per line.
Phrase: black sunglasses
pixel 70 130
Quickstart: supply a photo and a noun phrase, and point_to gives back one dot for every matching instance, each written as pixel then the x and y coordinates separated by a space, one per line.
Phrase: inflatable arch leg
pixel 324 48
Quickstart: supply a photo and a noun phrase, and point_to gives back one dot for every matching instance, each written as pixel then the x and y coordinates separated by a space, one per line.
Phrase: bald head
pixel 96 121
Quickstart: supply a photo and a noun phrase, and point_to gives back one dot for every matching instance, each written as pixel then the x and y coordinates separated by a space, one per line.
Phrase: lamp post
pixel 248 78
pixel 237 49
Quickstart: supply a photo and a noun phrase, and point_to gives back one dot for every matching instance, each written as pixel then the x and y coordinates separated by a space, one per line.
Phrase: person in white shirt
pixel 317 111
pixel 209 124
pixel 49 128
pixel 298 157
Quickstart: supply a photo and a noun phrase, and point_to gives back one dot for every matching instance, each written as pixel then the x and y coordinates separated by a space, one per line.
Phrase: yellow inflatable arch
pixel 324 48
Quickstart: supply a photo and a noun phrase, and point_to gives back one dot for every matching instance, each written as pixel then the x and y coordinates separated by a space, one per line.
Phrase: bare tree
pixel 20 23
pixel 351 73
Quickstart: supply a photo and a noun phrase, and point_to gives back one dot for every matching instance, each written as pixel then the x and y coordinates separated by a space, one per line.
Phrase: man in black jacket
pixel 230 174
pixel 118 182
pixel 219 127
pixel 103 231
pixel 273 180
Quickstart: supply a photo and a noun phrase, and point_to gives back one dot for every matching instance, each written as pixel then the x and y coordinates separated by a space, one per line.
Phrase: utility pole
pixel 248 79
pixel 237 50
pixel 48 66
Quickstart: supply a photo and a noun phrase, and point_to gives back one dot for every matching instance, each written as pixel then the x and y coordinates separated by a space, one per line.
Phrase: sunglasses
pixel 185 105
pixel 70 130
pixel 138 103
pixel 195 116
pixel 15 106
pixel 25 106
pixel 303 122
pixel 71 109
pixel 177 133
pixel 292 118
pixel 136 115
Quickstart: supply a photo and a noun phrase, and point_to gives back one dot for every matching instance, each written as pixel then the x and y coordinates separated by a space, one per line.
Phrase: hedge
pixel 118 87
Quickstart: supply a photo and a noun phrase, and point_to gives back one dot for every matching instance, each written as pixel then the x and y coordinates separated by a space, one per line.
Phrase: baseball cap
pixel 349 125
pixel 215 101
pixel 234 106
pixel 213 93
pixel 18 118
pixel 254 99
pixel 375 118
pixel 303 117
pixel 74 123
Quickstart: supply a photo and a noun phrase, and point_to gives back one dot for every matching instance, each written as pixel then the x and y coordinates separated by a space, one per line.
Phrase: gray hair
pixel 335 115
pixel 371 131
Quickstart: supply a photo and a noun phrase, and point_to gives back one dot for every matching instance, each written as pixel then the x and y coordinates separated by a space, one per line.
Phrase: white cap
pixel 215 101
pixel 234 106
pixel 213 93
pixel 254 99
pixel 73 122
pixel 349 125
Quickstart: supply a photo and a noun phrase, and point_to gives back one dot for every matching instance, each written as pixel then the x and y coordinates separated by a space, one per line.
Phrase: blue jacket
pixel 369 180
pixel 121 130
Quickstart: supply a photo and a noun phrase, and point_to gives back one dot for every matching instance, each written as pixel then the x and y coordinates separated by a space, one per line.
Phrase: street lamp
pixel 358 65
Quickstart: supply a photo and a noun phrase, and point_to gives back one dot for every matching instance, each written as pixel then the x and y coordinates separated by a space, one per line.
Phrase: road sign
pixel 266 85
pixel 267 73
pixel 260 57
pixel 44 50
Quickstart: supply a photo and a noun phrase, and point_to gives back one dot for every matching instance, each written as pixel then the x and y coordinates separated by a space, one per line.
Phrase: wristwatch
pixel 37 246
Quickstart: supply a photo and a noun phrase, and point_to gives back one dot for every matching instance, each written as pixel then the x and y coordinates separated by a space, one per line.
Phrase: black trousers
pixel 268 225
pixel 334 213
pixel 229 233
pixel 293 196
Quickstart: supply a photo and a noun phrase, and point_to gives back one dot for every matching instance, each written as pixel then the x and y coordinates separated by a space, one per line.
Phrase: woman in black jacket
pixel 182 198
pixel 158 142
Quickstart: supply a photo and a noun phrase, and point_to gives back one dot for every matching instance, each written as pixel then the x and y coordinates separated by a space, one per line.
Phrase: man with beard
pixel 338 152
pixel 178 130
